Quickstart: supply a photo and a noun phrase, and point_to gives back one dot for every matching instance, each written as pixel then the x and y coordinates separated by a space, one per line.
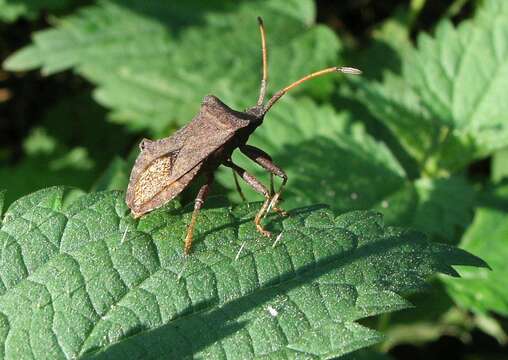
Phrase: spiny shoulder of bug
pixel 215 106
pixel 245 121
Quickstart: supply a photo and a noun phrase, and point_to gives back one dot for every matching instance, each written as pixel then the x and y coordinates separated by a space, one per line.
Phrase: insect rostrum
pixel 165 167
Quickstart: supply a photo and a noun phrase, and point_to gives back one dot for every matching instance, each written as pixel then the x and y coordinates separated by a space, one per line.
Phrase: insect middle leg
pixel 238 188
pixel 198 204
pixel 264 160
pixel 258 187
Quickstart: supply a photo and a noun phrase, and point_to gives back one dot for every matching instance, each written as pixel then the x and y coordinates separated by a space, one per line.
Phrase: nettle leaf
pixel 153 72
pixel 80 276
pixel 484 291
pixel 389 42
pixel 444 206
pixel 115 177
pixel 399 107
pixel 451 92
pixel 11 10
pixel 52 155
pixel 499 165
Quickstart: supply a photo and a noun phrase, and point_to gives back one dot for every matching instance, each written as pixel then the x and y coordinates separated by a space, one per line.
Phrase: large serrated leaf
pixel 396 104
pixel 499 165
pixel 484 291
pixel 452 93
pixel 83 276
pixel 53 155
pixel 445 206
pixel 152 71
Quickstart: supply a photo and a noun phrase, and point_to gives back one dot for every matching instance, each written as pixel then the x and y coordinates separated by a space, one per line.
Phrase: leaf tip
pixel 22 60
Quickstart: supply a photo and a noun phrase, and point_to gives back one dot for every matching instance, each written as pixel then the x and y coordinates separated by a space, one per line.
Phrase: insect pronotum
pixel 165 167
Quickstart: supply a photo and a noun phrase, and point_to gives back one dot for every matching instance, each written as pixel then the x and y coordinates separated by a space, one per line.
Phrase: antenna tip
pixel 348 70
pixel 260 20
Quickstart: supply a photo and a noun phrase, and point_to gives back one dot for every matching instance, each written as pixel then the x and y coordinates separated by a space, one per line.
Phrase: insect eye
pixel 144 144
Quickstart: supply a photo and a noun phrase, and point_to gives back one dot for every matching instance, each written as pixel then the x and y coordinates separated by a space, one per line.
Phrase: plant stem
pixel 429 166
pixel 415 8
pixel 382 325
pixel 455 8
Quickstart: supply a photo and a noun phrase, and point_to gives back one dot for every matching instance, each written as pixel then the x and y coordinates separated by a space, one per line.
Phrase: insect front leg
pixel 258 187
pixel 198 204
pixel 264 160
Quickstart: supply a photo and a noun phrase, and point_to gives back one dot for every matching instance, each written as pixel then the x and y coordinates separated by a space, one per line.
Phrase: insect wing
pixel 165 167
pixel 156 186
pixel 206 138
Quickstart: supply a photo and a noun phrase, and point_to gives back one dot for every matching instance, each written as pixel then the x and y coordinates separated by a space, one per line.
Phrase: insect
pixel 165 167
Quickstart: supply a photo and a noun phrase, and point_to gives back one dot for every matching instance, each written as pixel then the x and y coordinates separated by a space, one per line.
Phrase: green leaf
pixel 11 10
pixel 81 276
pixel 456 84
pixel 2 201
pixel 451 93
pixel 500 165
pixel 484 291
pixel 36 172
pixel 152 71
pixel 399 107
pixel 387 46
pixel 445 206
pixel 115 177
pixel 53 154
pixel 426 322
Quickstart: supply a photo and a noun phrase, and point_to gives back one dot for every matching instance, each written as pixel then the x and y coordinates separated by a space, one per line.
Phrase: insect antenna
pixel 280 93
pixel 264 80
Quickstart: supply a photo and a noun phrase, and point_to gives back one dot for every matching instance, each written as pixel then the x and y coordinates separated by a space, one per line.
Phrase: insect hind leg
pixel 198 204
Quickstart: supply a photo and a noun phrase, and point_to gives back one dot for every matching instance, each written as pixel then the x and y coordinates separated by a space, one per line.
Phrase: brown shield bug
pixel 165 167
